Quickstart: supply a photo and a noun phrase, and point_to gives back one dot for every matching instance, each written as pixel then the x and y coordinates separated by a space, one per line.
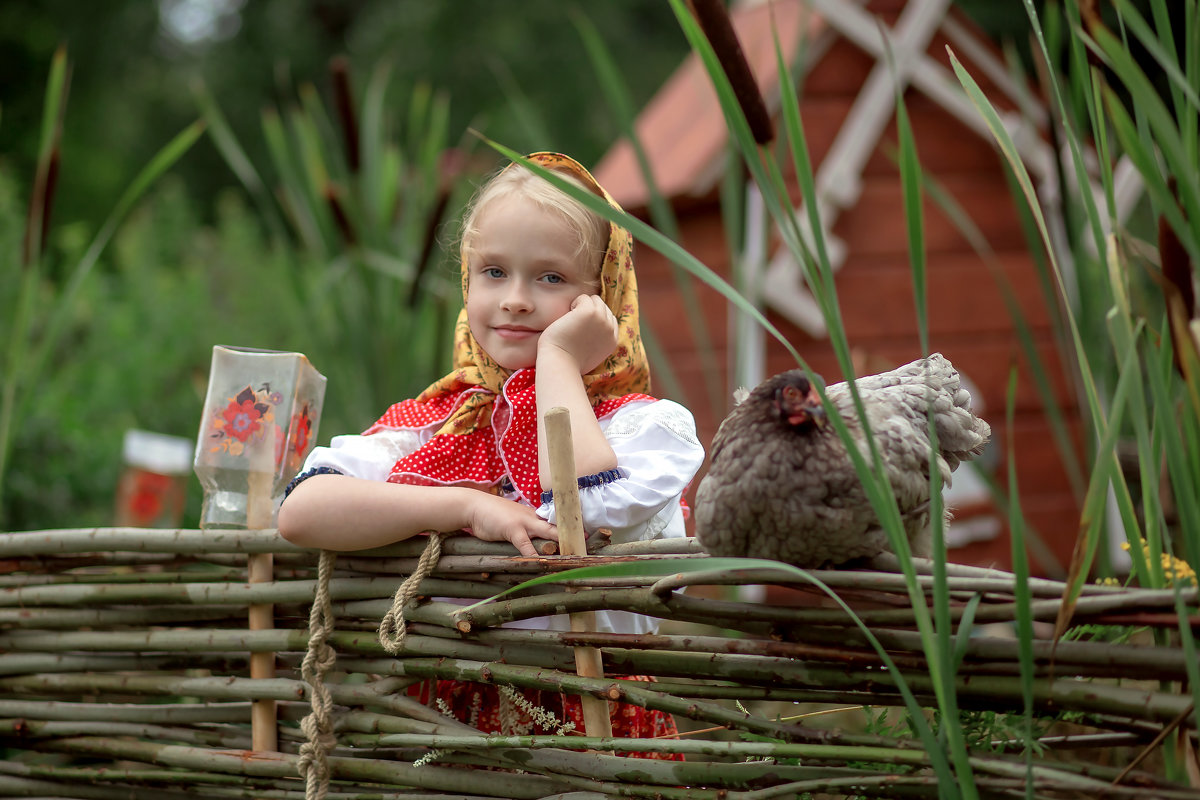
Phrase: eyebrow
pixel 491 258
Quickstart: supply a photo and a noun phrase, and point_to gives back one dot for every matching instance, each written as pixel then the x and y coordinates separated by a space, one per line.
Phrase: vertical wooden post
pixel 260 568
pixel 571 542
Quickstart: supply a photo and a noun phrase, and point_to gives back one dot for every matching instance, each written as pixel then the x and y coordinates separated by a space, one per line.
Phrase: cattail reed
pixel 343 99
pixel 714 21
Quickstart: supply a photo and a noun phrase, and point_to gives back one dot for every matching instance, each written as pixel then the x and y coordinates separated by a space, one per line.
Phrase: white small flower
pixel 539 715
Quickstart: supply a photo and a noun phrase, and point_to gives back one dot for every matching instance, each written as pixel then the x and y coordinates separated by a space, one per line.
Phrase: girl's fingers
pixel 522 540
pixel 524 545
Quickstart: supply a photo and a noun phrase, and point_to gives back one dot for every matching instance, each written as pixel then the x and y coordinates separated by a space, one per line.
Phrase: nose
pixel 516 298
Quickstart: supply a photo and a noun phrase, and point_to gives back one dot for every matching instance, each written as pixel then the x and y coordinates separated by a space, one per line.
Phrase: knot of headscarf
pixel 466 446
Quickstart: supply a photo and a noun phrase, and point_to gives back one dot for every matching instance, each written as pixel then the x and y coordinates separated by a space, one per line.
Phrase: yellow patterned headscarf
pixel 625 371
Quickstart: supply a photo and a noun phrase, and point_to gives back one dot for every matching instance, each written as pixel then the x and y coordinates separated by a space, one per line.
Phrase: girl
pixel 550 319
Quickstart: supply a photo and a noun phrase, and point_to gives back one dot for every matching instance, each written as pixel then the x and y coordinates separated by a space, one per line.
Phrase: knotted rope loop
pixel 392 628
pixel 319 659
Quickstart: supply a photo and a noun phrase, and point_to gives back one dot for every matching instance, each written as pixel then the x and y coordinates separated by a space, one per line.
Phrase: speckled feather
pixel 775 491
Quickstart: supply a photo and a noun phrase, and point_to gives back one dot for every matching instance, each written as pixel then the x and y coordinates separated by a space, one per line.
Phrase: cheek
pixel 474 313
pixel 561 306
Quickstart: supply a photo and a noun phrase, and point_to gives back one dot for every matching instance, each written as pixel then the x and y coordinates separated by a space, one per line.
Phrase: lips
pixel 515 331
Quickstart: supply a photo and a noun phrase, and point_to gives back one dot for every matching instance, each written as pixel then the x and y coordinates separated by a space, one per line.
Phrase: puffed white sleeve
pixel 371 457
pixel 658 454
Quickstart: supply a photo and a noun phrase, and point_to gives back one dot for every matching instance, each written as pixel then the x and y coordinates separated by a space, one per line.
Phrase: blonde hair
pixel 592 229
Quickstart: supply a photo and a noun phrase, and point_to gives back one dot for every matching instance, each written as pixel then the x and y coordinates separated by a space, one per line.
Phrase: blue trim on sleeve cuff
pixel 303 476
pixel 588 481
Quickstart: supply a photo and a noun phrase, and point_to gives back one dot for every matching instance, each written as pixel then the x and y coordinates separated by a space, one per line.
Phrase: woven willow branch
pixel 114 633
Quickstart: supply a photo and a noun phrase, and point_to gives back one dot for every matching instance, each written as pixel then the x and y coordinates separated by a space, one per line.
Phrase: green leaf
pixel 1166 139
pixel 235 156
pixel 649 569
pixel 1106 469
pixel 1022 594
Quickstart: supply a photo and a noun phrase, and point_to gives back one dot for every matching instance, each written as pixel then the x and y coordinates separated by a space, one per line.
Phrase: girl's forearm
pixel 559 384
pixel 337 512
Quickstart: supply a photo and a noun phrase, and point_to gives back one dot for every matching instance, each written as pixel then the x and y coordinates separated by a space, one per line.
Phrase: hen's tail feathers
pixel 933 382
pixel 962 436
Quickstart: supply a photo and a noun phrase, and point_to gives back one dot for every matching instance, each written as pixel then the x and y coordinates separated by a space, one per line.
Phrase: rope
pixel 318 660
pixel 392 628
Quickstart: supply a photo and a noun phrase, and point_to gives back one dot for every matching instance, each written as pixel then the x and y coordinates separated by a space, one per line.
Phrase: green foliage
pixel 39 314
pixel 1116 634
pixel 341 258
pixel 984 731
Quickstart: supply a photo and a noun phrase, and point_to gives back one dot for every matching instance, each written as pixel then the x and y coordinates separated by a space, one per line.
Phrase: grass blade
pixel 1020 562
pixel 911 180
pixel 20 332
pixel 1104 472
pixel 235 156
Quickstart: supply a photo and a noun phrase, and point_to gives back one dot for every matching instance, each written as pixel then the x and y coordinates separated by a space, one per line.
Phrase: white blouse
pixel 658 454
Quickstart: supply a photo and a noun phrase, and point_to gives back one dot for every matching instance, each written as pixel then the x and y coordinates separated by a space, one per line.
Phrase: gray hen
pixel 781 484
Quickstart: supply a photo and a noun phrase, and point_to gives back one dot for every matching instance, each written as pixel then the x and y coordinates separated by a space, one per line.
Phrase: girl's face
pixel 523 273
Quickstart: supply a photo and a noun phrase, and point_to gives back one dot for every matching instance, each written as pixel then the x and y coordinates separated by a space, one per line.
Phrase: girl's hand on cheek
pixel 494 519
pixel 587 333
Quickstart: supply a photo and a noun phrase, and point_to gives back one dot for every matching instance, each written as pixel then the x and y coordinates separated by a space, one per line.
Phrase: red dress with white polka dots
pixel 504 451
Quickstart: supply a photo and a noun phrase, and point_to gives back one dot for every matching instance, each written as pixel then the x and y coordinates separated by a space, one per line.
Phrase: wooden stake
pixel 260 568
pixel 571 542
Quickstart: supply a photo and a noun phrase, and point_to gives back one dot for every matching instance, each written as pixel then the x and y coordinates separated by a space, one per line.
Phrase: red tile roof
pixel 682 128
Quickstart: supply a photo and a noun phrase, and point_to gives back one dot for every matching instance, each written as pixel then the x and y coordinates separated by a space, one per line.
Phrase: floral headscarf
pixel 487 415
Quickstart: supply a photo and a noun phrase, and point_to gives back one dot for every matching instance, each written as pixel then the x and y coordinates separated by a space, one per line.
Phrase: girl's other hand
pixel 495 519
pixel 587 333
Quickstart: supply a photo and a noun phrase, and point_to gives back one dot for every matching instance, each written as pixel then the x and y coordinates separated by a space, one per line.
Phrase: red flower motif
pixel 241 419
pixel 303 431
pixel 146 501
pixel 280 445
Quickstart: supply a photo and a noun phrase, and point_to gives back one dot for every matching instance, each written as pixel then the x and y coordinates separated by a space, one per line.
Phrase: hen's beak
pixel 800 406
pixel 811 410
pixel 807 411
pixel 816 412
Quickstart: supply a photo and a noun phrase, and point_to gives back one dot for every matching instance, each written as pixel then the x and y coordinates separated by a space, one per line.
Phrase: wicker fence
pixel 125 670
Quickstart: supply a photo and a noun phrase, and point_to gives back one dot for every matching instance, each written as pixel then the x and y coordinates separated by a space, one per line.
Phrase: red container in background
pixel 152 490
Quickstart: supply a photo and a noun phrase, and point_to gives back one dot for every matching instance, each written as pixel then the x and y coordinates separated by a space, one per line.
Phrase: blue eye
pixel 552 278
pixel 493 272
